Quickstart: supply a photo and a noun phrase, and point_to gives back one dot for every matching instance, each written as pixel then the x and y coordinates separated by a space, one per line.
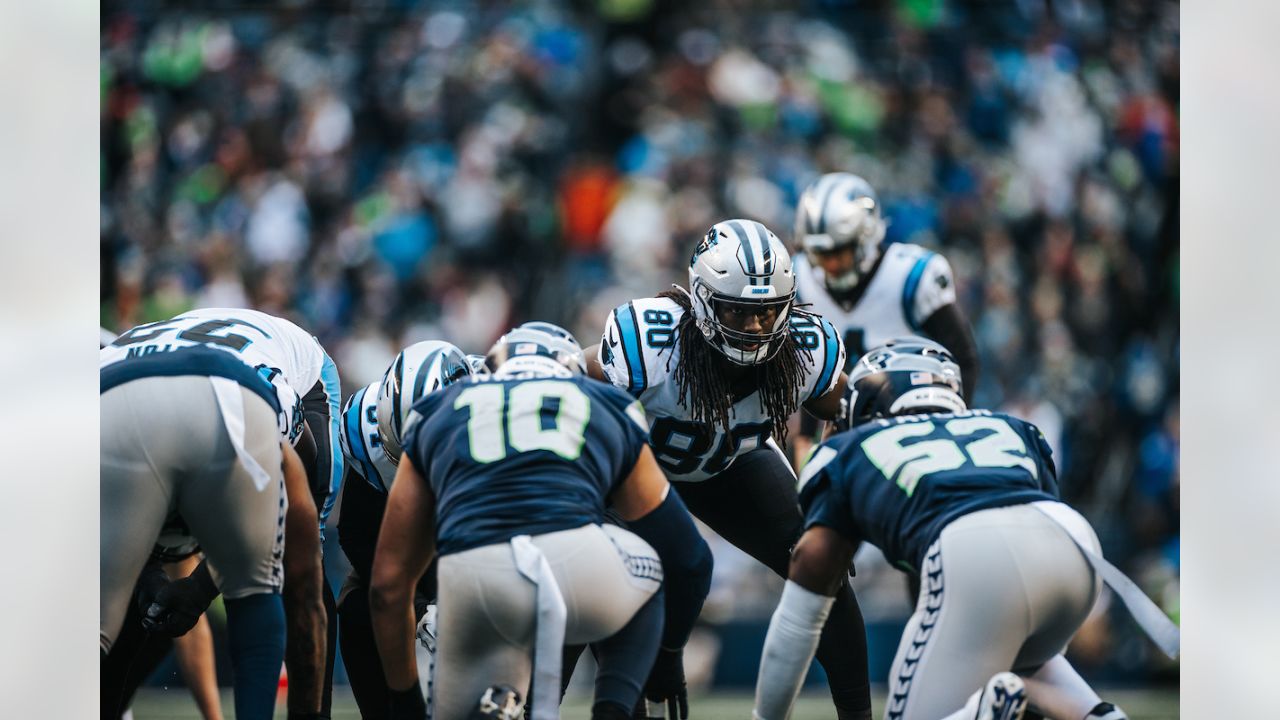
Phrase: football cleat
pixel 1106 711
pixel 1004 698
pixel 499 702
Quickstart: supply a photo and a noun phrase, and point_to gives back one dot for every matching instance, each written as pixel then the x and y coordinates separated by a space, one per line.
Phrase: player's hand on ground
pixel 666 683
pixel 177 608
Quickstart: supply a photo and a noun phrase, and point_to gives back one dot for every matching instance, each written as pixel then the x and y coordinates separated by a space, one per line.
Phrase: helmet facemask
pixel 722 320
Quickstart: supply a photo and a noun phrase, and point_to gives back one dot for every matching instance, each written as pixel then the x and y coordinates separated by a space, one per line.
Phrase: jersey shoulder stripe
pixel 351 416
pixel 909 288
pixel 629 338
pixel 830 357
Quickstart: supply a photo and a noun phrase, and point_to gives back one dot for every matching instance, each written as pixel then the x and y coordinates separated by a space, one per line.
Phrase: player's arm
pixel 594 369
pixel 195 653
pixel 303 602
pixel 951 328
pixel 827 405
pixel 406 545
pixel 819 564
pixel 935 311
pixel 653 511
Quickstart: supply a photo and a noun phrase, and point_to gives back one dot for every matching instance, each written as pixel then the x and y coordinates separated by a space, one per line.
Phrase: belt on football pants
pixel 1162 631
pixel 548 637
pixel 231 403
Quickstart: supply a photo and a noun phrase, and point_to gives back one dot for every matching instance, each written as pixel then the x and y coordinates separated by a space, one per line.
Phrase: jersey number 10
pixel 524 409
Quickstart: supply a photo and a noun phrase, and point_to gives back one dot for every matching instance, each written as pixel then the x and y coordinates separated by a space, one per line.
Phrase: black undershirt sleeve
pixel 948 325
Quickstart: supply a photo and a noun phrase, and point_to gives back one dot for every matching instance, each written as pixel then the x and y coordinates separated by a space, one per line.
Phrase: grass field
pixel 156 704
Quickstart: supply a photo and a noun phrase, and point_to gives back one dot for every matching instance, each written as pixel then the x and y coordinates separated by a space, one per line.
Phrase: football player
pixel 719 369
pixel 296 364
pixel 198 432
pixel 507 477
pixel 371 422
pixel 871 292
pixel 135 653
pixel 968 498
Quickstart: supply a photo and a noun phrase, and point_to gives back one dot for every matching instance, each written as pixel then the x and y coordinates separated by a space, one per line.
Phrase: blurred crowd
pixel 396 171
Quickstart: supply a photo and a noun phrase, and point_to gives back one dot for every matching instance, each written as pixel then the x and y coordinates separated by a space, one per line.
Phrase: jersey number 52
pixel 1001 448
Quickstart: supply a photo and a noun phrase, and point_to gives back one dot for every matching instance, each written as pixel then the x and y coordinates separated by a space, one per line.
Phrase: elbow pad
pixel 686 564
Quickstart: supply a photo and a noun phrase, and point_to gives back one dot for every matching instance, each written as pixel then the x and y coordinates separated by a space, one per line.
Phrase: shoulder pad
pixel 635 333
pixel 825 351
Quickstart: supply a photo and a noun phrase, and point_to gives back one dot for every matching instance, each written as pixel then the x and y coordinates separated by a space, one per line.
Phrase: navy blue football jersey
pixel 897 482
pixel 522 456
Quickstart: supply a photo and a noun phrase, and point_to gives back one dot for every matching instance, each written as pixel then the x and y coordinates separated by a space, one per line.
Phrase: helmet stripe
pixel 424 370
pixel 755 239
pixel 740 234
pixel 821 224
pixel 398 372
pixel 766 251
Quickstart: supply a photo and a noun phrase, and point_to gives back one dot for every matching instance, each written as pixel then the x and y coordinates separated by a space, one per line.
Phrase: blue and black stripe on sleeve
pixel 909 290
pixel 629 337
pixel 830 358
pixel 355 440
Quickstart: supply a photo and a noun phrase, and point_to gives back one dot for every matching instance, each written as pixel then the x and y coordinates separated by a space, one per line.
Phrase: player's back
pixel 897 482
pixel 272 344
pixel 506 457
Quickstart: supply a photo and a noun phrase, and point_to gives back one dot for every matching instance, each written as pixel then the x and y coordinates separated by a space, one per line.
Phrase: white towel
pixel 1148 615
pixel 549 630
pixel 231 403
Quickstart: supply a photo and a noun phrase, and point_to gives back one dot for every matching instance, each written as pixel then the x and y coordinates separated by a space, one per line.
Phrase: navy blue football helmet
pixel 902 377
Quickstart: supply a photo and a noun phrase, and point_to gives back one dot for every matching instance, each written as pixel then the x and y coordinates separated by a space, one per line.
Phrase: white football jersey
pixel 910 285
pixel 282 352
pixel 360 441
pixel 638 354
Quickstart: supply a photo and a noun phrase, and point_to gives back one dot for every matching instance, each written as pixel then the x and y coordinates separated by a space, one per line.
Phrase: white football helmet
pixel 741 271
pixel 837 210
pixel 419 369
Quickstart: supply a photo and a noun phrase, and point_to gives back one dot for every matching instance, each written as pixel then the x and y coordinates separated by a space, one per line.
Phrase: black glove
pixel 178 606
pixel 666 683
pixel 150 583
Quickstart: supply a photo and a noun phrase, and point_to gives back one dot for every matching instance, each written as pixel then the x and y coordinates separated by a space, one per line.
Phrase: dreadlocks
pixel 709 395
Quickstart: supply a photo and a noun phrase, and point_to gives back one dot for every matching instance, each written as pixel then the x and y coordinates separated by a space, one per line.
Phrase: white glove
pixel 427 629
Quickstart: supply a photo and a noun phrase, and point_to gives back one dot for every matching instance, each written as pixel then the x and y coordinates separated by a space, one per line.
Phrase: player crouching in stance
pixel 507 478
pixel 371 422
pixel 969 500
pixel 198 432
pixel 720 368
